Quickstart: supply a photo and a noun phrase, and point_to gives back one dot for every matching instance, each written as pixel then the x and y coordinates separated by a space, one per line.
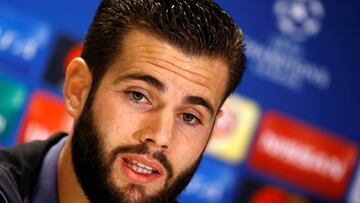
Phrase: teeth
pixel 139 167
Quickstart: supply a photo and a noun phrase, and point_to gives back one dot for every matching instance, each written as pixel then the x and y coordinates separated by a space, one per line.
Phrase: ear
pixel 219 115
pixel 77 85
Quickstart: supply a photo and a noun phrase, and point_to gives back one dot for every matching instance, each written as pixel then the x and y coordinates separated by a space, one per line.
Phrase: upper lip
pixel 155 165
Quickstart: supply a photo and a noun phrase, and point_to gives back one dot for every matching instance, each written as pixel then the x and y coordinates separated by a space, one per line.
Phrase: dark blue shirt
pixel 46 187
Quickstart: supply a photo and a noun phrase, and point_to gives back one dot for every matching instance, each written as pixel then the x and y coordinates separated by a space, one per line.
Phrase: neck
pixel 69 189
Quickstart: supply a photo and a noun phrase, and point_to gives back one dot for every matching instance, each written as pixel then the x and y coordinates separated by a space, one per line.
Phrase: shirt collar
pixel 46 186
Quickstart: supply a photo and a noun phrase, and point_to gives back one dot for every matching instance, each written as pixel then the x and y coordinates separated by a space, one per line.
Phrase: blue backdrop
pixel 303 62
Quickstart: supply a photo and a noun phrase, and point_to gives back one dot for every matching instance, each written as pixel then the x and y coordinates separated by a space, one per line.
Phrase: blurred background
pixel 289 134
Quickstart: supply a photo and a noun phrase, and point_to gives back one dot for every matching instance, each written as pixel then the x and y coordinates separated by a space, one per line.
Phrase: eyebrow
pixel 152 81
pixel 200 101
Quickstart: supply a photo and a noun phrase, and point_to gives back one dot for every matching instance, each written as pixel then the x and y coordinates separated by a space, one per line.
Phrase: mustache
pixel 143 150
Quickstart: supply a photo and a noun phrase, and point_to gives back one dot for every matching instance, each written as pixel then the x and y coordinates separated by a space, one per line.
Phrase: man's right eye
pixel 137 97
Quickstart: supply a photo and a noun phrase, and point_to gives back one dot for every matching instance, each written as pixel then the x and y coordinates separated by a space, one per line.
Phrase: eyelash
pixel 197 120
pixel 130 95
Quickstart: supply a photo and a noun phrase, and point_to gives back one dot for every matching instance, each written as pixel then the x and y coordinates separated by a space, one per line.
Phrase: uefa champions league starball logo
pixel 299 19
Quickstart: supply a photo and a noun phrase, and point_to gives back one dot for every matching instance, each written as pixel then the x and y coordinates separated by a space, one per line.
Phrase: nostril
pixel 158 141
pixel 147 140
pixel 152 141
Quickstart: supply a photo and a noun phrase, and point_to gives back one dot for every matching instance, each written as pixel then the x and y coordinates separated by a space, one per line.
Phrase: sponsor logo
pixel 299 19
pixel 304 155
pixel 282 60
pixel 22 39
pixel 234 130
pixel 45 115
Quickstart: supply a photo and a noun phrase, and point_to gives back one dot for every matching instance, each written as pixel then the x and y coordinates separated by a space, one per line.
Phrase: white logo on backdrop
pixel 283 62
pixel 299 19
pixel 283 59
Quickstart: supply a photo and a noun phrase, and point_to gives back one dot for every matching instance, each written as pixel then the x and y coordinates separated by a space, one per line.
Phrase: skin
pixel 129 109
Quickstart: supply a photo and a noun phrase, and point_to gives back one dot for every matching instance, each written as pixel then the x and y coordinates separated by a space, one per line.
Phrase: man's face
pixel 142 136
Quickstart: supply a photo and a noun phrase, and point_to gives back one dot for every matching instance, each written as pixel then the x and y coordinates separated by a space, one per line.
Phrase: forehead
pixel 145 53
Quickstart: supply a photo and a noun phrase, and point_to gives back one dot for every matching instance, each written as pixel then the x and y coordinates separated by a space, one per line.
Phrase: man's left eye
pixel 137 96
pixel 190 118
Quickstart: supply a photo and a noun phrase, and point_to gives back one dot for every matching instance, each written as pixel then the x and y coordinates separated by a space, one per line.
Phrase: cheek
pixel 114 121
pixel 187 150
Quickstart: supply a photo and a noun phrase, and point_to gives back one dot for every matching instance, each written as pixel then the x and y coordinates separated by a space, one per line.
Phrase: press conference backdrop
pixel 289 134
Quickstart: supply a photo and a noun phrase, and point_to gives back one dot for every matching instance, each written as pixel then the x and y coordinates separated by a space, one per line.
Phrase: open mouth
pixel 140 167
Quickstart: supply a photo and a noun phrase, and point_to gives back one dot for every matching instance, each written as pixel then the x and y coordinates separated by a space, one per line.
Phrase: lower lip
pixel 136 176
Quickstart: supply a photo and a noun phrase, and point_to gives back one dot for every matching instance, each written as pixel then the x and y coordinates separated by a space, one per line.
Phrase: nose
pixel 157 130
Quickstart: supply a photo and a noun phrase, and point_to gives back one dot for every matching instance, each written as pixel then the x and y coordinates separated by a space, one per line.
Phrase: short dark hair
pixel 196 27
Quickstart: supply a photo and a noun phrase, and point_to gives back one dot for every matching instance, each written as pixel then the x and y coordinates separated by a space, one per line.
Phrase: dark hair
pixel 197 27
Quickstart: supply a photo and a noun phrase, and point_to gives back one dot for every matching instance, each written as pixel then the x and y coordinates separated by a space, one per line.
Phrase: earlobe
pixel 77 84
